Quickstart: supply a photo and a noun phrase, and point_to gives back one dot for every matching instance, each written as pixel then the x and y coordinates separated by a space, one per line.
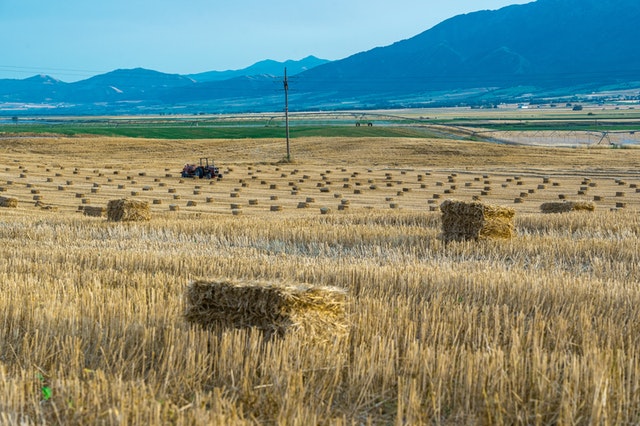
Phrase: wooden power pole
pixel 286 111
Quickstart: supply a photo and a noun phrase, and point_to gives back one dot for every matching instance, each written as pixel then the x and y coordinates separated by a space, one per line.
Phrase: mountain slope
pixel 549 43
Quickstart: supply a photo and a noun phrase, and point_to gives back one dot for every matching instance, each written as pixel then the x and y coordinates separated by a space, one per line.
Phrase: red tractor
pixel 204 170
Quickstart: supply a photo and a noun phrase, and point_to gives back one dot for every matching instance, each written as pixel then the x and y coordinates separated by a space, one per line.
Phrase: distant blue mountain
pixel 39 88
pixel 137 84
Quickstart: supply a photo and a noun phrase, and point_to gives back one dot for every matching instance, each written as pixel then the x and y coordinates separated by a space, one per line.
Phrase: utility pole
pixel 286 111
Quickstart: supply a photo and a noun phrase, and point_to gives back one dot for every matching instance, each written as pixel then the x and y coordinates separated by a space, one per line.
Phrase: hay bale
pixel 474 221
pixel 126 210
pixel 567 206
pixel 8 202
pixel 586 206
pixel 94 211
pixel 275 308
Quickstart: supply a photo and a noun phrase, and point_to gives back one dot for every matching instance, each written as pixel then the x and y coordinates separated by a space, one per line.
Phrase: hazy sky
pixel 75 39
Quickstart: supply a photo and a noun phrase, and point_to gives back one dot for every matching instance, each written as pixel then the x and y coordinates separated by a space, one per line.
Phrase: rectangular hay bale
pixel 126 210
pixel 8 202
pixel 274 308
pixel 94 211
pixel 463 221
pixel 567 206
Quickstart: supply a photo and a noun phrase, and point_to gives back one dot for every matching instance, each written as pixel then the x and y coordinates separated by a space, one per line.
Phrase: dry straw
pixel 474 221
pixel 567 206
pixel 8 202
pixel 319 313
pixel 126 210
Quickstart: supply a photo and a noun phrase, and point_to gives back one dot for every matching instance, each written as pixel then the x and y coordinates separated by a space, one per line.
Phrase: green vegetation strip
pixel 213 132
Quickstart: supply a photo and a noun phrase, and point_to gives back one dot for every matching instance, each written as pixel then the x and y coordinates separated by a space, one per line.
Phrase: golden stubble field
pixel 541 329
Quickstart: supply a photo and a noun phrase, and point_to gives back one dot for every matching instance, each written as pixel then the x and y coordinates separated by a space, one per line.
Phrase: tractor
pixel 205 170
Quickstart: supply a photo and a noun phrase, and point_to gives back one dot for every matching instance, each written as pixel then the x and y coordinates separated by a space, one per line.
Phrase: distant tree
pixel 14 119
pixel 577 107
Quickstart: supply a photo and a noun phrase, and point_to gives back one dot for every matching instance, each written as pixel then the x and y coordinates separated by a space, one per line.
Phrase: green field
pixel 241 130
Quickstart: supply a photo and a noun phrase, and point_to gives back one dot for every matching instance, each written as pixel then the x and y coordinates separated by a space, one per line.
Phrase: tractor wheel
pixel 199 172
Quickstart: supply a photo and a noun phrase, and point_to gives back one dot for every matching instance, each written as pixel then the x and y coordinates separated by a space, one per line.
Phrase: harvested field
pixel 537 329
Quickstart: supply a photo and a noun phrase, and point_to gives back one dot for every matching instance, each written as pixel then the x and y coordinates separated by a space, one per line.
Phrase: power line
pixel 286 111
pixel 47 70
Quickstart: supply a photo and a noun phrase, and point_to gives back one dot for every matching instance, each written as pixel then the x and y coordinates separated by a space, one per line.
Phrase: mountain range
pixel 547 48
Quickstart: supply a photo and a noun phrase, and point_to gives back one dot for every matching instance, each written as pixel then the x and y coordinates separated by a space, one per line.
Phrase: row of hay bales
pixel 476 221
pixel 123 210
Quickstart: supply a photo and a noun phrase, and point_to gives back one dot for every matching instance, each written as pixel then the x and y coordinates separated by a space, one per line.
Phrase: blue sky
pixel 75 39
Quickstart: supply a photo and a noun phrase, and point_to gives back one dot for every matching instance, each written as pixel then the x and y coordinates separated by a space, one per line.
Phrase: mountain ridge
pixel 267 66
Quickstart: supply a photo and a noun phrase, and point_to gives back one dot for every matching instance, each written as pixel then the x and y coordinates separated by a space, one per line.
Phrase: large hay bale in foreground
pixel 8 202
pixel 475 221
pixel 567 206
pixel 126 210
pixel 276 309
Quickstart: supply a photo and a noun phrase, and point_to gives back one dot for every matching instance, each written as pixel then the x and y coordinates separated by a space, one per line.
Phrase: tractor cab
pixel 206 170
